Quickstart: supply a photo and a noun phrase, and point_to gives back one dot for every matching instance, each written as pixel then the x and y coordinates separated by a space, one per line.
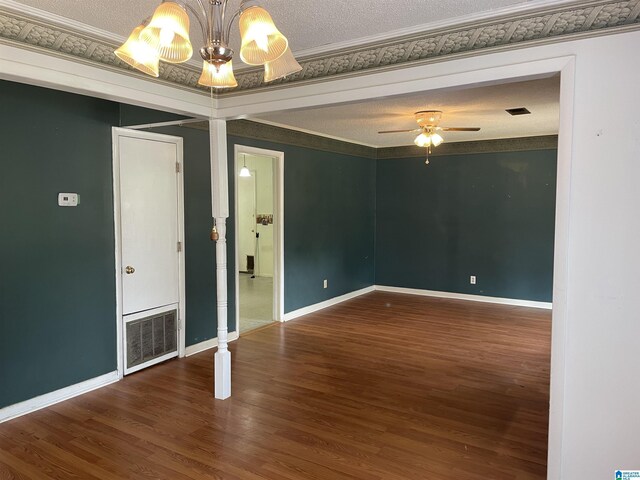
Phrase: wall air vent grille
pixel 517 111
pixel 151 337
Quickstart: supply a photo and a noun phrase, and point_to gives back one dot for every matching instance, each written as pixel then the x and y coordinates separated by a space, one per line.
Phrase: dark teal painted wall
pixel 489 215
pixel 329 211
pixel 57 287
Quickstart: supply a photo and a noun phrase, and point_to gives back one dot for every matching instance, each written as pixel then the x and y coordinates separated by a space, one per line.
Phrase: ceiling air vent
pixel 517 111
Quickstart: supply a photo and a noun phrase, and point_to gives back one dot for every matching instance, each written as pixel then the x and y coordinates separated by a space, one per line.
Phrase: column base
pixel 222 374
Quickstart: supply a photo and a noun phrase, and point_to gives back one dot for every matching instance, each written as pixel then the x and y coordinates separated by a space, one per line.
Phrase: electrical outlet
pixel 472 279
pixel 325 284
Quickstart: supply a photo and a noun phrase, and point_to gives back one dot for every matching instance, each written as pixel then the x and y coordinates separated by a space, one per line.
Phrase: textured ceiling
pixel 307 23
pixel 482 107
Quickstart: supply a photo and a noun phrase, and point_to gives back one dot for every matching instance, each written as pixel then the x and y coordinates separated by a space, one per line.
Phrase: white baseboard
pixel 48 399
pixel 207 344
pixel 464 296
pixel 327 303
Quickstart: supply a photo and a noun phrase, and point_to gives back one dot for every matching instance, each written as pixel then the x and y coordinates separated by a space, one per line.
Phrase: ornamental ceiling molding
pixel 544 25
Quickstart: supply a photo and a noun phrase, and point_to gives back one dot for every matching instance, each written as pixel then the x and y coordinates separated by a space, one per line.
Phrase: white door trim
pixel 117 216
pixel 278 227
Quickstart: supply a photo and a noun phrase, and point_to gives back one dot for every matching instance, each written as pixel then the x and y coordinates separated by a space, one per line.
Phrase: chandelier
pixel 165 37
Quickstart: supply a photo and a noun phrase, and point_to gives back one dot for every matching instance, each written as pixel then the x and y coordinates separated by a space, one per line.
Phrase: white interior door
pixel 150 226
pixel 246 219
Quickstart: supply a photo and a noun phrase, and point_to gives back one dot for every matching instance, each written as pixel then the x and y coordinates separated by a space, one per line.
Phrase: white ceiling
pixel 307 23
pixel 482 107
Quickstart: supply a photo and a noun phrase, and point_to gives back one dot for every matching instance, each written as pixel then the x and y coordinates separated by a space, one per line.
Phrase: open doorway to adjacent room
pixel 258 215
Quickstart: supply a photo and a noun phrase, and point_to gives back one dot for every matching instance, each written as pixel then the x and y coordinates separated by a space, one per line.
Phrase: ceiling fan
pixel 429 126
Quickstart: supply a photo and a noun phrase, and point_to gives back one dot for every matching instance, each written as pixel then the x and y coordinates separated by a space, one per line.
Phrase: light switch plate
pixel 68 199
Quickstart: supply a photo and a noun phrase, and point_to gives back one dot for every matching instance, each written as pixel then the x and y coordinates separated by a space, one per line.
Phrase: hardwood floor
pixel 385 386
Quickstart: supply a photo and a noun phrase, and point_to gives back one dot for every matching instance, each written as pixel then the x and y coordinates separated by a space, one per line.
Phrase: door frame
pixel 278 227
pixel 116 133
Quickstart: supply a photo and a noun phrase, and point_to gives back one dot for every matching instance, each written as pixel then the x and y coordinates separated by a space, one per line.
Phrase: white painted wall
pixel 602 378
pixel 261 168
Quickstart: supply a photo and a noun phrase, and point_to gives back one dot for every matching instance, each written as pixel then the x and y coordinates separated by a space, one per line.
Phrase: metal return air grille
pixel 151 337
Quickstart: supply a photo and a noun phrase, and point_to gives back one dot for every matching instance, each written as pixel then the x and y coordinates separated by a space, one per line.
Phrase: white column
pixel 220 212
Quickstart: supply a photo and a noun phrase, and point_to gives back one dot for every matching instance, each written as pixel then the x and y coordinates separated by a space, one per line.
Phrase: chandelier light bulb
pixel 436 139
pixel 166 37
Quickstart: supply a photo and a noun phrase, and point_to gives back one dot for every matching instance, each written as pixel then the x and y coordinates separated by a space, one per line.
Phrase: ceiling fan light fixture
pixel 218 76
pixel 262 42
pixel 428 139
pixel 285 65
pixel 139 54
pixel 428 118
pixel 168 30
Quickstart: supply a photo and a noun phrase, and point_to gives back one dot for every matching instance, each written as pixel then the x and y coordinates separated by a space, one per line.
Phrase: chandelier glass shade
pixel 139 54
pixel 168 32
pixel 285 65
pixel 262 42
pixel 166 37
pixel 218 77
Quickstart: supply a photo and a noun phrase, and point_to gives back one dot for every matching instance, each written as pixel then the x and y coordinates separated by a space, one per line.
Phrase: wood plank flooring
pixel 385 386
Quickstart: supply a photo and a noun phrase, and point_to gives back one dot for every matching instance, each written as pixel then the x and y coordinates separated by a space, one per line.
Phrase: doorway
pixel 258 215
pixel 149 228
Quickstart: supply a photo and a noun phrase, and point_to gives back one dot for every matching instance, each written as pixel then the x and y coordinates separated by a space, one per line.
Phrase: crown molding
pixel 518 144
pixel 515 27
pixel 287 136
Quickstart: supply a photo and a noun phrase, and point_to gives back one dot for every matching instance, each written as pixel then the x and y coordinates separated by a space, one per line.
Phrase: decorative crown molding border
pixel 285 136
pixel 542 25
pixel 517 144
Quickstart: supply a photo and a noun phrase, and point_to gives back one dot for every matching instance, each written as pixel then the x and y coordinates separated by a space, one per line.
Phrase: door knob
pixel 129 270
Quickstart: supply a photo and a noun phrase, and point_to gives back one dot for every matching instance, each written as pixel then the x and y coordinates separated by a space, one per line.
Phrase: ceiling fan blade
pixel 400 131
pixel 460 129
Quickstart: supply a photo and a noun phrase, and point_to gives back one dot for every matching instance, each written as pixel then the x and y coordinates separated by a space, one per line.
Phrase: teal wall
pixel 329 211
pixel 490 215
pixel 57 287
pixel 351 220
